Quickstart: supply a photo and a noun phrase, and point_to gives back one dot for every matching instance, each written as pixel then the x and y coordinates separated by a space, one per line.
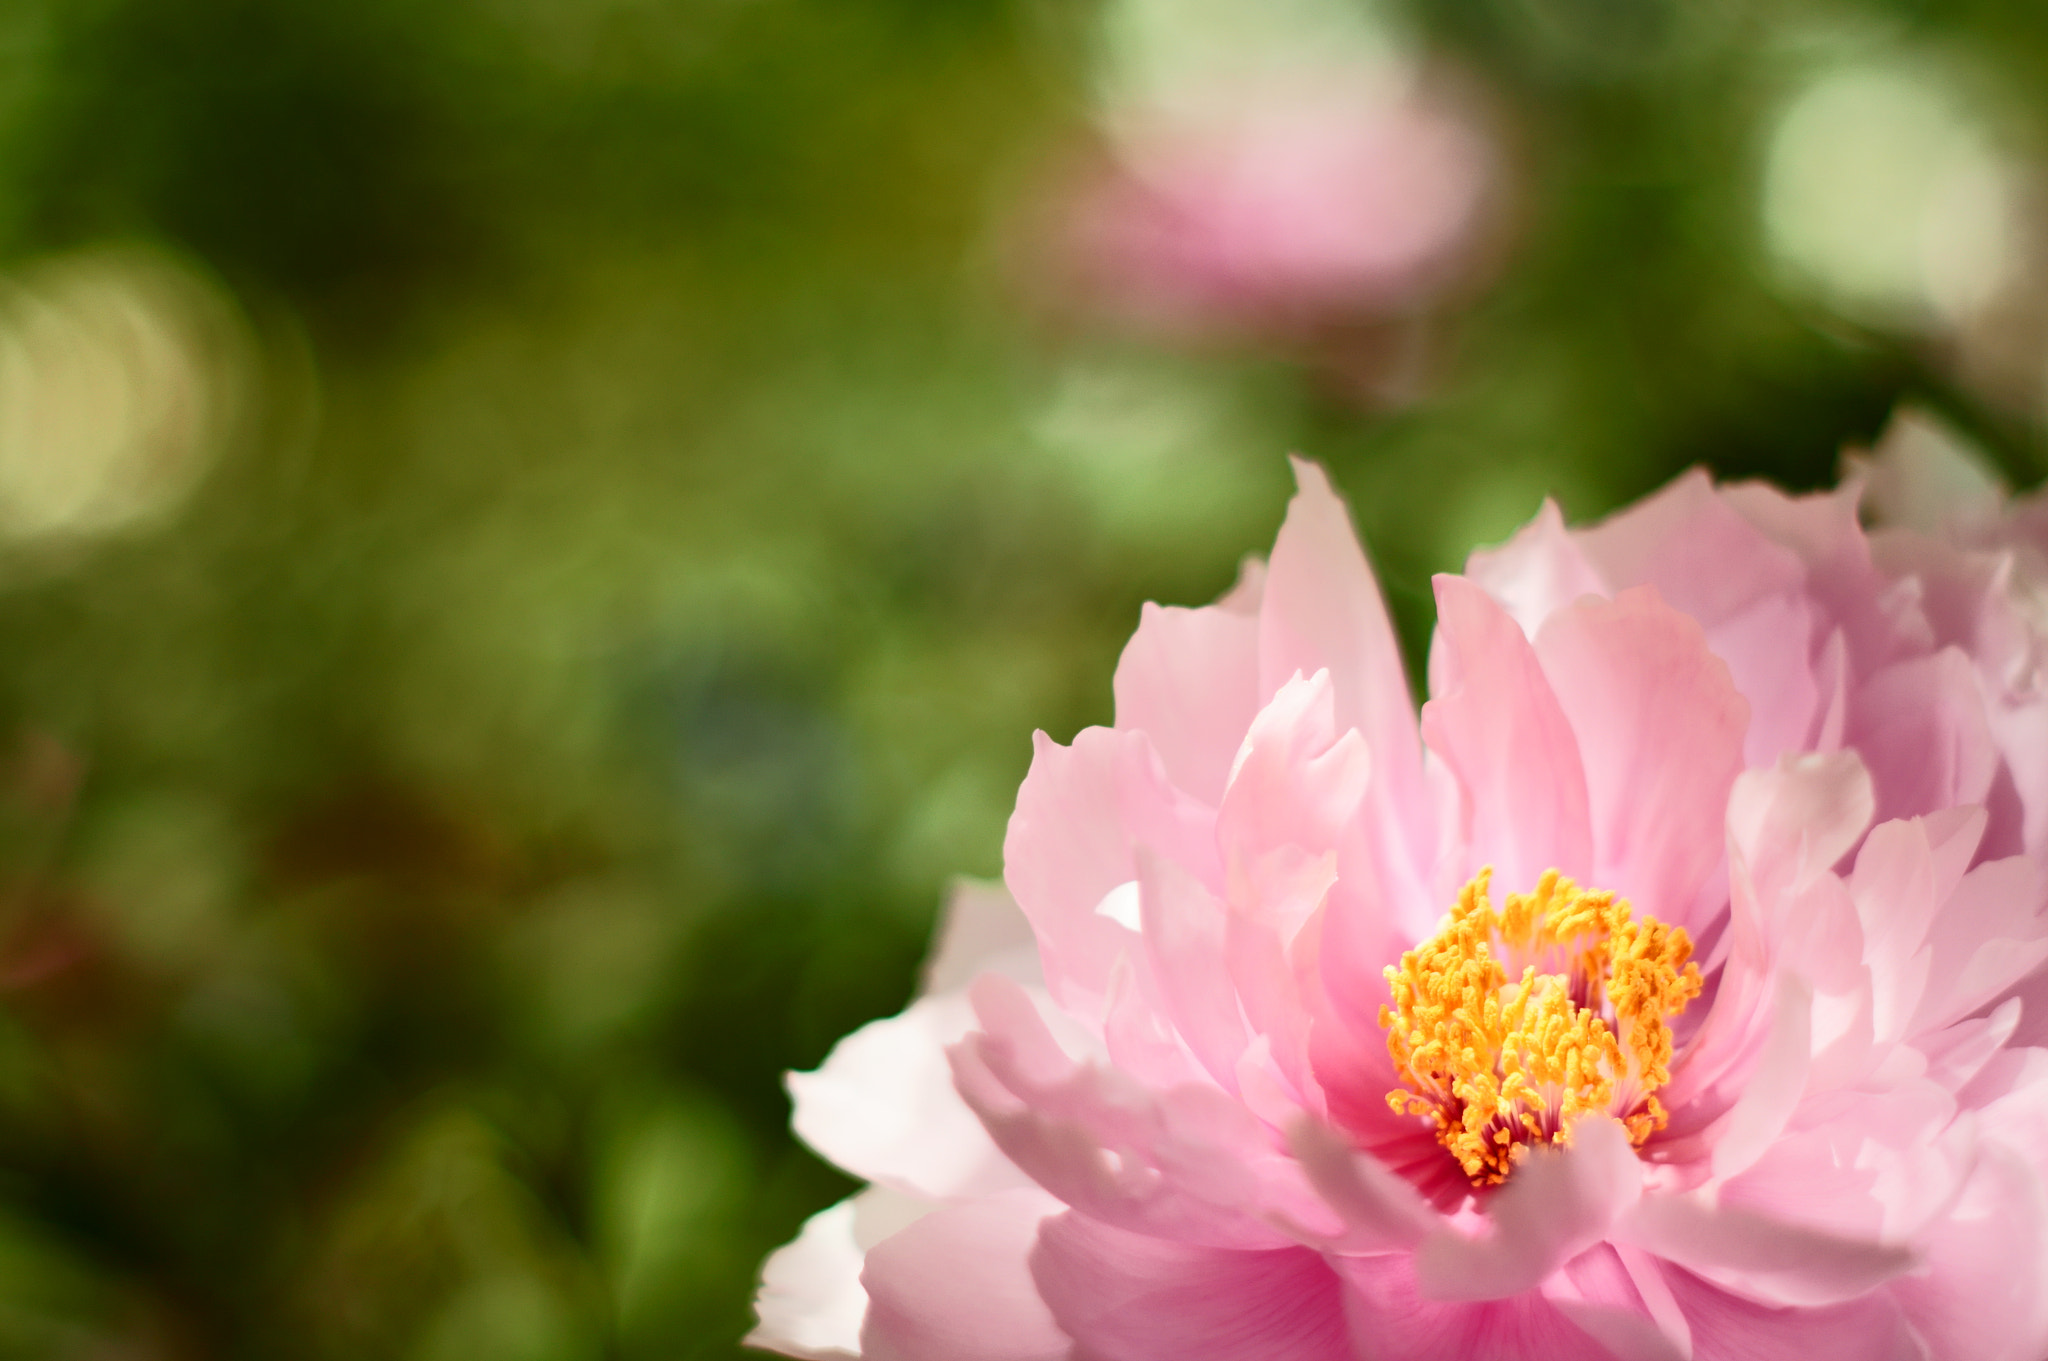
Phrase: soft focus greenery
pixel 658 515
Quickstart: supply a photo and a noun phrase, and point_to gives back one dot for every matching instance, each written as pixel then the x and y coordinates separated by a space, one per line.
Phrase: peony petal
pixel 1719 565
pixel 1321 609
pixel 1369 917
pixel 1538 572
pixel 1139 1037
pixel 1879 622
pixel 1875 1164
pixel 1660 730
pixel 1496 723
pixel 1653 1288
pixel 1763 1259
pixel 2022 732
pixel 1274 945
pixel 1795 822
pixel 1702 554
pixel 1184 938
pixel 1356 1075
pixel 1787 828
pixel 1772 1087
pixel 1831 679
pixel 981 928
pixel 2032 992
pixel 1963 594
pixel 1190 680
pixel 1956 1054
pixel 1921 727
pixel 1921 476
pixel 956 1286
pixel 1189 1163
pixel 1727 1327
pixel 1297 779
pixel 1080 814
pixel 1785 680
pixel 1599 1293
pixel 1393 1320
pixel 1381 1211
pixel 1993 933
pixel 811 1303
pixel 1558 1203
pixel 1895 889
pixel 883 1107
pixel 1127 1297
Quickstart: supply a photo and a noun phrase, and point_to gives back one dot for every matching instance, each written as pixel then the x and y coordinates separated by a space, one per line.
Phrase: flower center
pixel 1502 1064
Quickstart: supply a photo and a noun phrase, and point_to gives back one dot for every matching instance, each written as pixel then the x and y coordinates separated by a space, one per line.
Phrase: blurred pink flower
pixel 1282 209
pixel 1317 1057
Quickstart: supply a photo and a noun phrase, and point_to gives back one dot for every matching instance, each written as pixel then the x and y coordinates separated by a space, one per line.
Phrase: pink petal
pixel 1138 1034
pixel 1703 556
pixel 2011 1094
pixel 1190 680
pixel 1660 730
pixel 1184 937
pixel 1794 823
pixel 1880 623
pixel 1956 1054
pixel 1380 1210
pixel 1876 1163
pixel 1897 891
pixel 1772 1086
pixel 1355 1074
pixel 956 1286
pixel 1371 915
pixel 1558 1203
pixel 1992 934
pixel 1763 1259
pixel 1190 1163
pixel 1538 572
pixel 1392 1320
pixel 1603 1295
pixel 1497 725
pixel 1727 1327
pixel 1080 813
pixel 1126 1297
pixel 1961 592
pixel 882 1106
pixel 1831 679
pixel 1785 679
pixel 1321 609
pixel 1274 943
pixel 1751 595
pixel 1298 777
pixel 1921 727
pixel 1787 828
pixel 2022 732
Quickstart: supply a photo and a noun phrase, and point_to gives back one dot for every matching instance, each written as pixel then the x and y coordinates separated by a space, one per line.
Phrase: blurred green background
pixel 534 535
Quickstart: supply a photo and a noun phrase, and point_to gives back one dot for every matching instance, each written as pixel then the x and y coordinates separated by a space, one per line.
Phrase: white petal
pixel 882 1106
pixel 981 928
pixel 811 1303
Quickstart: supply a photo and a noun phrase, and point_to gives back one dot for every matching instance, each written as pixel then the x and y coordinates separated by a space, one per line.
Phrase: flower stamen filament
pixel 1500 1062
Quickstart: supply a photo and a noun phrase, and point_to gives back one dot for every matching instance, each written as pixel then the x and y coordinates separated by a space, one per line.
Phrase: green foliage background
pixel 663 527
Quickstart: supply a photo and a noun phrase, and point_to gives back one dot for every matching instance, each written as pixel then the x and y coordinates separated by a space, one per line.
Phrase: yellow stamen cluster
pixel 1501 1064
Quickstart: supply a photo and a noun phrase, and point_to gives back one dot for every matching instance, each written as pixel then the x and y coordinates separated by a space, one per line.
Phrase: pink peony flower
pixel 1263 209
pixel 1653 997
